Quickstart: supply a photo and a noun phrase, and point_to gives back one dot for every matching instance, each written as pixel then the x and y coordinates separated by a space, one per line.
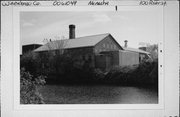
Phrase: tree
pixel 56 46
pixel 53 58
pixel 153 49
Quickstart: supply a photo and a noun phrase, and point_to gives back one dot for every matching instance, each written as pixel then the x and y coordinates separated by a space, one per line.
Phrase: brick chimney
pixel 125 43
pixel 72 31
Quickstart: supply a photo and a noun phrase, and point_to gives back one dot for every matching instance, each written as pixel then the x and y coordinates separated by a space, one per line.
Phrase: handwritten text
pixel 152 2
pixel 20 3
pixel 64 3
pixel 98 3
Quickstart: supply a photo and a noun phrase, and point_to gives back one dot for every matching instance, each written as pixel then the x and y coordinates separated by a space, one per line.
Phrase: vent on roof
pixel 72 31
pixel 125 43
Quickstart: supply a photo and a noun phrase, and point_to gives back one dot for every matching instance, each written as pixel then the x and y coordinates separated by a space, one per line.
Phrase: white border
pixel 170 72
pixel 16 25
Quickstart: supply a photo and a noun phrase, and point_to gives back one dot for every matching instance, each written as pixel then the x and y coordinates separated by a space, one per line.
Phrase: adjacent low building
pixel 29 47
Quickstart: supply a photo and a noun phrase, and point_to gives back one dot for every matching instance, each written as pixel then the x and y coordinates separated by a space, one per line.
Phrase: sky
pixel 135 26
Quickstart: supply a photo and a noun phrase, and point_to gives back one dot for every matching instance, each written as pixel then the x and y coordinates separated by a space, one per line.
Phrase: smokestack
pixel 71 31
pixel 125 43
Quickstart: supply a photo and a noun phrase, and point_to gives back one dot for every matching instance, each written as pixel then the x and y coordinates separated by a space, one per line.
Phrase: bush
pixel 120 74
pixel 99 74
pixel 57 67
pixel 30 62
pixel 28 88
pixel 37 63
pixel 61 68
pixel 144 73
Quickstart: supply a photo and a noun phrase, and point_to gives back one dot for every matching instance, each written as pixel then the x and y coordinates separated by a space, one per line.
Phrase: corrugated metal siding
pixel 128 58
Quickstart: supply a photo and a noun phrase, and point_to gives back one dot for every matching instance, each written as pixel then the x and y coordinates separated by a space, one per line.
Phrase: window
pixel 114 46
pixel 83 57
pixel 89 58
pixel 104 45
pixel 111 46
pixel 54 53
pixel 107 45
pixel 86 57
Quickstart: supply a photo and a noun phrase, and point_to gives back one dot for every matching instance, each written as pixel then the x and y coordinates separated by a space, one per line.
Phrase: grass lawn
pixel 97 94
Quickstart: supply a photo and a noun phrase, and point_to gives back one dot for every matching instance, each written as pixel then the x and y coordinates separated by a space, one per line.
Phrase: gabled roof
pixel 135 50
pixel 86 41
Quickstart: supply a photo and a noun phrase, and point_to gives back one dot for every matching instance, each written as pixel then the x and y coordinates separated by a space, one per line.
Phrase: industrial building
pixel 99 51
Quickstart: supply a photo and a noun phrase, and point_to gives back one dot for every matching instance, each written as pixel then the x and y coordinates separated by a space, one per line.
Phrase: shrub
pixel 154 73
pixel 30 62
pixel 69 69
pixel 120 74
pixel 99 74
pixel 37 63
pixel 28 88
pixel 144 73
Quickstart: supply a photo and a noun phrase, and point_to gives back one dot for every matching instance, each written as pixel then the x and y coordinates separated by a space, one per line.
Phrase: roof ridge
pixel 80 41
pixel 82 37
pixel 92 35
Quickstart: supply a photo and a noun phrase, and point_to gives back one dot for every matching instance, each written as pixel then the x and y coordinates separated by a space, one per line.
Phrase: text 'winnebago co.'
pixel 20 3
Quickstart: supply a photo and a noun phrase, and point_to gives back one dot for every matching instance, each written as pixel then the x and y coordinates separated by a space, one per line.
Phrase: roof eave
pixel 64 48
